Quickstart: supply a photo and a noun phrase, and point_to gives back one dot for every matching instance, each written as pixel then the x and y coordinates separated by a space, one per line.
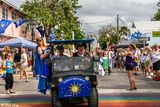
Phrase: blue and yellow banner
pixel 74 86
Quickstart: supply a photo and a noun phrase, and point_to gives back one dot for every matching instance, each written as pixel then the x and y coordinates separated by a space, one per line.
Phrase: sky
pixel 97 13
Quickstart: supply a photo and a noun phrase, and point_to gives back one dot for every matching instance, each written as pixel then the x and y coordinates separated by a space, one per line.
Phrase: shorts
pixel 142 65
pixel 147 63
pixel 156 66
pixel 24 68
pixel 135 64
pixel 129 66
pixel 19 66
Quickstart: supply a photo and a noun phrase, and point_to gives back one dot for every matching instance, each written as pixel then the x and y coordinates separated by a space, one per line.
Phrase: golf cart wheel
pixel 55 100
pixel 93 98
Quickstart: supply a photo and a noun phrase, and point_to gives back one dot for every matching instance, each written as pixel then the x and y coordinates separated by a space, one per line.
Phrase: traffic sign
pixel 155 33
pixel 144 39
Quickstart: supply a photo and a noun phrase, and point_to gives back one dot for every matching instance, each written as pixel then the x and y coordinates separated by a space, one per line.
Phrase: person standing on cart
pixel 41 68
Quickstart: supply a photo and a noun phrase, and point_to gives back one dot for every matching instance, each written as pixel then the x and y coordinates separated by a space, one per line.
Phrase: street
pixel 111 88
pixel 74 38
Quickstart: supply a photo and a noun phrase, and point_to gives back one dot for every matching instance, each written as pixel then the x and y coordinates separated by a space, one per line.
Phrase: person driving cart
pixel 81 50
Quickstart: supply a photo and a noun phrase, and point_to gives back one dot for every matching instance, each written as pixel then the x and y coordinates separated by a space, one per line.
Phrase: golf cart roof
pixel 56 42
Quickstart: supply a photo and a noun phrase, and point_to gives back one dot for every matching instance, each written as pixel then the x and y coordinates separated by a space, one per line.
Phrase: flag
pixel 20 22
pixel 4 24
pixel 52 36
pixel 41 31
pixel 135 35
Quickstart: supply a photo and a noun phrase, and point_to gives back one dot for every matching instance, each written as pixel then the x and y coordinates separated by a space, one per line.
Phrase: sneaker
pixel 135 88
pixel 148 77
pixel 152 74
pixel 157 79
pixel 7 92
pixel 135 74
pixel 12 92
pixel 130 89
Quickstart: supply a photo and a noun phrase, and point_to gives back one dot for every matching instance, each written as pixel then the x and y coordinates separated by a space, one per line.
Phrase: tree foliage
pixel 157 16
pixel 113 37
pixel 57 14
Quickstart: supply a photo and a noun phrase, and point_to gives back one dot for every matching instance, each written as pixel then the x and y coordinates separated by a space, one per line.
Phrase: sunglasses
pixel 10 55
pixel 39 40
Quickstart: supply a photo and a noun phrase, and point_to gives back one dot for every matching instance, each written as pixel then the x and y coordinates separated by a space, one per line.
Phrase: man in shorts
pixel 24 65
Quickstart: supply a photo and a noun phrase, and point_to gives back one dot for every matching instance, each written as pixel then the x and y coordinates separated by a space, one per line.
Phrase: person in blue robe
pixel 41 68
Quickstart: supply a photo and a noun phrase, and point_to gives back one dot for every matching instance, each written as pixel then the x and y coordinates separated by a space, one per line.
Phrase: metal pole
pixel 73 39
pixel 158 4
pixel 118 28
pixel 32 50
pixel 143 43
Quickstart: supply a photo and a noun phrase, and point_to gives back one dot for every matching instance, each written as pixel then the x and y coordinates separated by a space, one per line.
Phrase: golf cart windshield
pixel 72 64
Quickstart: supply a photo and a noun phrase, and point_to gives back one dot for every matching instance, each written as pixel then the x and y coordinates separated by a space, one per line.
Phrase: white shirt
pixel 148 58
pixel 156 56
pixel 137 53
pixel 24 57
pixel 143 57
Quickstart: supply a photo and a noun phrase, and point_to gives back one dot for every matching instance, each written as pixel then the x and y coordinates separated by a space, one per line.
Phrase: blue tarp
pixel 19 42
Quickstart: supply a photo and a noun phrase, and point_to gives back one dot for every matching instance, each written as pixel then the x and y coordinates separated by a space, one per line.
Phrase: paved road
pixel 112 92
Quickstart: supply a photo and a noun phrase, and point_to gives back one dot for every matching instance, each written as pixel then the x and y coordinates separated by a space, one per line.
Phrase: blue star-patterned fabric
pixel 74 86
pixel 20 22
pixel 4 24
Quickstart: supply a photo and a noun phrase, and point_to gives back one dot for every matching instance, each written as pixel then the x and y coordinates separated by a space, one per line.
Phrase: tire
pixel 93 98
pixel 55 100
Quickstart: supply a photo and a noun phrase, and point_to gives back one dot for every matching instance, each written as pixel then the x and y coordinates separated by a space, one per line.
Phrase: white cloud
pixel 129 11
pixel 144 1
pixel 93 11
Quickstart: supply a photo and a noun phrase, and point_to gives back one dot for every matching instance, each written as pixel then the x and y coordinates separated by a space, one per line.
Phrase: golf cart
pixel 73 78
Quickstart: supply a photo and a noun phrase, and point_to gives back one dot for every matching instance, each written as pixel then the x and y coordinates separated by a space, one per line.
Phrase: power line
pixel 123 22
pixel 97 21
pixel 111 21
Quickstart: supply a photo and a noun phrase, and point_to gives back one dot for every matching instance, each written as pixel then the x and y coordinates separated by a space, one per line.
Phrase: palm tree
pixel 123 32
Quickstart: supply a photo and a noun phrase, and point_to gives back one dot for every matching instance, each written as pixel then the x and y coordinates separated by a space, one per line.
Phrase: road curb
pixel 103 91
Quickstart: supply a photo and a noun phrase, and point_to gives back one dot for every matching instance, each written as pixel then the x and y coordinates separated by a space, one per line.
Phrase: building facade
pixel 10 12
pixel 147 28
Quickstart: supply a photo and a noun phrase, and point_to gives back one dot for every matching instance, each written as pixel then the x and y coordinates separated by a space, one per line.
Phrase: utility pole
pixel 158 4
pixel 118 28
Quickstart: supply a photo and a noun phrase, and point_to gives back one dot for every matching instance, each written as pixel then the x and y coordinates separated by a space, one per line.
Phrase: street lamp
pixel 158 4
pixel 32 25
pixel 95 43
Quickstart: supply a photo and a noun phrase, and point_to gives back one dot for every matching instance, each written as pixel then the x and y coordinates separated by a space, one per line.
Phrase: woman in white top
pixel 143 56
pixel 147 62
